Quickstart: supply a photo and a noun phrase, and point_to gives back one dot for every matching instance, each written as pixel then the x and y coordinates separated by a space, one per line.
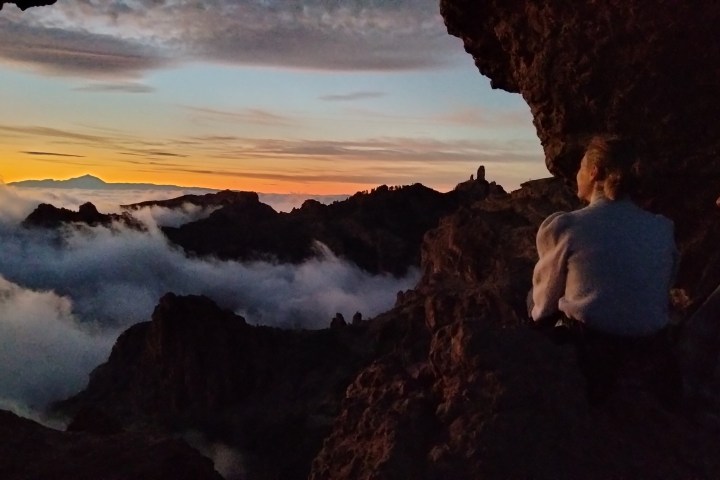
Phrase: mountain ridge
pixel 91 182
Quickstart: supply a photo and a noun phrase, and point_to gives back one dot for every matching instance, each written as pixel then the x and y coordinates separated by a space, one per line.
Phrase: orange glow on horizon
pixel 18 165
pixel 38 171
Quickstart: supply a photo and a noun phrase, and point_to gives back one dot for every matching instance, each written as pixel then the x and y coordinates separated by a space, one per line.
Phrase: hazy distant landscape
pixel 66 295
pixel 108 196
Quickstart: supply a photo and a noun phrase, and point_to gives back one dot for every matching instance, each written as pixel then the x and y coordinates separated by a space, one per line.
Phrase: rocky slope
pixel 637 68
pixel 267 392
pixel 481 395
pixel 451 383
pixel 30 451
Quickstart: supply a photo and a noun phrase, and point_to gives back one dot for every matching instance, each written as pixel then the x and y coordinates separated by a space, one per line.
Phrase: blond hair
pixel 615 159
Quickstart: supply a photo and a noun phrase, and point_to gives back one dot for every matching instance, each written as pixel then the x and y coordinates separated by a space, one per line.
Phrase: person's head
pixel 607 167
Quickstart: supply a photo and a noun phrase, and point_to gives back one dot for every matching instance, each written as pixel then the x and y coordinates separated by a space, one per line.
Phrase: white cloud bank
pixel 64 296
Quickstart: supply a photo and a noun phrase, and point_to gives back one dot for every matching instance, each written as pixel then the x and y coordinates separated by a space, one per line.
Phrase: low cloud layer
pixel 45 353
pixel 125 38
pixel 64 296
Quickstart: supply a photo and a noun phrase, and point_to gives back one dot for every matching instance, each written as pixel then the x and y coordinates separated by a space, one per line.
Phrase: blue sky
pixel 313 96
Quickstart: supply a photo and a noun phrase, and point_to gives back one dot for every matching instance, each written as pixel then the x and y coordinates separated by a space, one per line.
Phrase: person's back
pixel 607 269
pixel 620 266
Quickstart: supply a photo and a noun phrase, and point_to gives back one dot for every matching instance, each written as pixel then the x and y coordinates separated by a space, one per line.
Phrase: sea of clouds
pixel 66 295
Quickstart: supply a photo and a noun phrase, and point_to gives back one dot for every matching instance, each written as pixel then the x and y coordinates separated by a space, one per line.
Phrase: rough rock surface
pixel 29 451
pixel 632 67
pixel 269 393
pixel 639 68
pixel 470 392
pixel 449 384
pixel 49 216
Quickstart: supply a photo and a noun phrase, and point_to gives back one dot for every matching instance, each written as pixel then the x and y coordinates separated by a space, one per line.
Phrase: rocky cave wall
pixel 634 67
pixel 631 67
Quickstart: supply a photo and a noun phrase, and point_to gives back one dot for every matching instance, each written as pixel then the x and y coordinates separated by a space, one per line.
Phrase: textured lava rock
pixel 269 393
pixel 471 392
pixel 636 68
pixel 645 69
pixel 30 451
pixel 450 383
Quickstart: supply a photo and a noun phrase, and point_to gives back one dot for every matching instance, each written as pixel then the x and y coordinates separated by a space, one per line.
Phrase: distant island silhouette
pixel 90 182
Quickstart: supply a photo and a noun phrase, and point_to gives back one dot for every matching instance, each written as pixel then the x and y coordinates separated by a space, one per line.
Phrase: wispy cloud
pixel 152 153
pixel 478 117
pixel 75 51
pixel 52 154
pixel 126 38
pixel 116 88
pixel 363 161
pixel 348 97
pixel 253 116
pixel 50 132
pixel 396 149
pixel 121 142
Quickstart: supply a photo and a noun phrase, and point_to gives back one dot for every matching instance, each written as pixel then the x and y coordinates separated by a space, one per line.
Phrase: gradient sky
pixel 311 96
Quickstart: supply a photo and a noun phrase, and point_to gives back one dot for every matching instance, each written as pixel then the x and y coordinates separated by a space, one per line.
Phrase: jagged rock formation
pixel 638 68
pixel 49 216
pixel 449 384
pixel 270 393
pixel 470 392
pixel 208 200
pixel 30 451
pixel 25 4
pixel 644 69
pixel 380 231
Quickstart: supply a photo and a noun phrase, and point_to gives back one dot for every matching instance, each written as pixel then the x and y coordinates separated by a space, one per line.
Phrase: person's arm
pixel 550 272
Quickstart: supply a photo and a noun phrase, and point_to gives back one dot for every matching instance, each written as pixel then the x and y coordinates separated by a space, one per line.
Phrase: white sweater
pixel 609 265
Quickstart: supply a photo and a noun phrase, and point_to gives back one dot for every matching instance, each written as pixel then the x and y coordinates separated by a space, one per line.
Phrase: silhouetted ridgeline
pixel 49 216
pixel 380 230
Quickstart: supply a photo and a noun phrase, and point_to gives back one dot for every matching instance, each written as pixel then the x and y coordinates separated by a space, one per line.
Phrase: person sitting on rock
pixel 606 271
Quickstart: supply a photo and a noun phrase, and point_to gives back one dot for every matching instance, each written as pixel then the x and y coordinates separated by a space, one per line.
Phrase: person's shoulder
pixel 664 222
pixel 555 223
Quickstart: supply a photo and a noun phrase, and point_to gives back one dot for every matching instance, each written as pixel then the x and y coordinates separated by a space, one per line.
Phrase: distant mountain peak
pixel 91 182
pixel 88 176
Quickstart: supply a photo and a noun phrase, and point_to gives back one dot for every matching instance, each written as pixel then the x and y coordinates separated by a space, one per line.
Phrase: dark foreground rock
pixel 636 68
pixel 451 383
pixel 29 451
pixel 482 395
pixel 269 393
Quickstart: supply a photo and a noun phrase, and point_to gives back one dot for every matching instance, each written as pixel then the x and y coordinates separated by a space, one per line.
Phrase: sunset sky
pixel 311 96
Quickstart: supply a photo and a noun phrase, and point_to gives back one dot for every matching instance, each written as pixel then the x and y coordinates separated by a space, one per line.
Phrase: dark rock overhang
pixel 632 67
